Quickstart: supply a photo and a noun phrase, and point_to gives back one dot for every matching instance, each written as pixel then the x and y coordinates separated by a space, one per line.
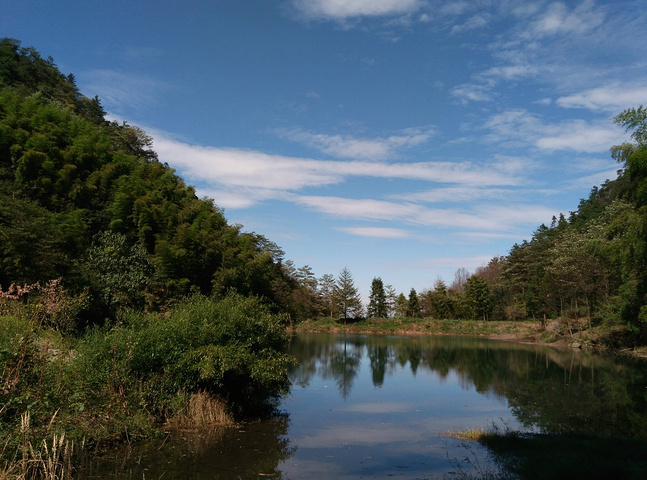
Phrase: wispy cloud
pixel 558 20
pixel 377 232
pixel 456 195
pixel 472 23
pixel 611 98
pixel 118 90
pixel 344 9
pixel 518 127
pixel 488 218
pixel 345 146
pixel 254 175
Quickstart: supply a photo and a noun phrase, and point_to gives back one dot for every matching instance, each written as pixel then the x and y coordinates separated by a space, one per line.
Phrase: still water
pixel 379 406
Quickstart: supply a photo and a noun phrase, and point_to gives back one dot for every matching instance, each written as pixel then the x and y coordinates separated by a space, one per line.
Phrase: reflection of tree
pixel 379 356
pixel 222 453
pixel 553 390
pixel 344 365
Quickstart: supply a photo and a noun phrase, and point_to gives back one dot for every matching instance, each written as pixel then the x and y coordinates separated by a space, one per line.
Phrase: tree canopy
pixel 81 197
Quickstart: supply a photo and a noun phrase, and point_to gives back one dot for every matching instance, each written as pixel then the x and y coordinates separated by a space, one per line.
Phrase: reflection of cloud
pixel 382 407
pixel 353 434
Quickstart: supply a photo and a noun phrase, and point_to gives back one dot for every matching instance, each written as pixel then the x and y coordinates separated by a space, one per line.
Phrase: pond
pixel 369 406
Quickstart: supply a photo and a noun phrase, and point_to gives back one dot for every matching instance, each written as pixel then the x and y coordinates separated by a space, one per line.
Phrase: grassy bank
pixel 205 361
pixel 574 333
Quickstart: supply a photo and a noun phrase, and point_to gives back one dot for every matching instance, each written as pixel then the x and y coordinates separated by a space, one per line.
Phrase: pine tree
pixel 413 304
pixel 377 307
pixel 346 297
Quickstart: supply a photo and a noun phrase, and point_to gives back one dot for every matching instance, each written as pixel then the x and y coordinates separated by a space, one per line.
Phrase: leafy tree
pixel 401 305
pixel 439 302
pixel 118 271
pixel 346 296
pixel 377 306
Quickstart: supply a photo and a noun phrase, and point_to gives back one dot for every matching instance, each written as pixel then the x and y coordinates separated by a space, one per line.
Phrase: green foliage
pixel 67 177
pixel 231 348
pixel 377 307
pixel 413 304
pixel 346 297
pixel 118 271
pixel 478 295
pixel 121 382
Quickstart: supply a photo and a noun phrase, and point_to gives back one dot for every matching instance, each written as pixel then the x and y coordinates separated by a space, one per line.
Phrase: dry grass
pixel 202 410
pixel 46 461
pixel 474 434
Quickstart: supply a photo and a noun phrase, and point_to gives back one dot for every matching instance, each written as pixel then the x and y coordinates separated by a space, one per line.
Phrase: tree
pixel 401 305
pixel 346 297
pixel 390 300
pixel 460 280
pixel 477 292
pixel 118 270
pixel 377 307
pixel 413 304
pixel 326 291
pixel 440 300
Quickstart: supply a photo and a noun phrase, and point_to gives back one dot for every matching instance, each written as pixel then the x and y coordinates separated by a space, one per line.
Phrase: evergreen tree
pixel 413 304
pixel 377 307
pixel 346 297
pixel 477 292
pixel 326 292
pixel 401 305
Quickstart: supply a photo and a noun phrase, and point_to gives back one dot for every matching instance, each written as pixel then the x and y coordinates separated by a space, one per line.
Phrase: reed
pixel 202 410
pixel 46 461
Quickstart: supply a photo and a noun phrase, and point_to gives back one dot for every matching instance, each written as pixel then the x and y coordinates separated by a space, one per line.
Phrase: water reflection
pixel 546 389
pixel 226 453
pixel 377 406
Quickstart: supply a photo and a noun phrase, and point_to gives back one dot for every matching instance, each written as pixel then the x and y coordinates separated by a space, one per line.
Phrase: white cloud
pixel 518 127
pixel 579 136
pixel 376 232
pixel 456 195
pixel 253 175
pixel 345 146
pixel 471 92
pixel 611 98
pixel 472 23
pixel 118 90
pixel 360 209
pixel 492 218
pixel 243 168
pixel 343 9
pixel 559 20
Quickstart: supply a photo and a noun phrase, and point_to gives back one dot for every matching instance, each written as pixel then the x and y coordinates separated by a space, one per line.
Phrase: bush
pixel 231 349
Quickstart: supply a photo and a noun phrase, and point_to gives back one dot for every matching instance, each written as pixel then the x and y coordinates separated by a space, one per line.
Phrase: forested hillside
pixel 591 265
pixel 126 301
pixel 86 201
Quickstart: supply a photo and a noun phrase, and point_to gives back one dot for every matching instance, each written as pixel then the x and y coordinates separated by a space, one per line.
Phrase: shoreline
pixel 571 334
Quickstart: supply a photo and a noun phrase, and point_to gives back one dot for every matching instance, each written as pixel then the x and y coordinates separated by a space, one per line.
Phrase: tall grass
pixel 202 363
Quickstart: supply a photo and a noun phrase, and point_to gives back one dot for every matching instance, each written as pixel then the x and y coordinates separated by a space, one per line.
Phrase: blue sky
pixel 398 138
